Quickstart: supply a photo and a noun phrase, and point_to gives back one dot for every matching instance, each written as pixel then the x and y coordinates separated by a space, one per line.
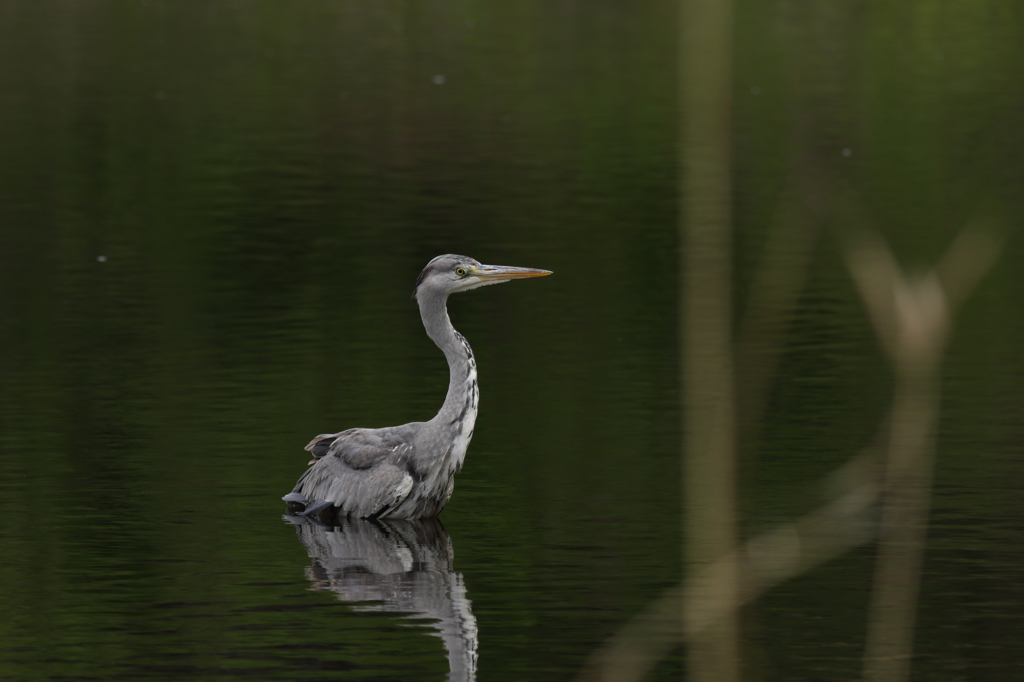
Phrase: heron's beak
pixel 503 273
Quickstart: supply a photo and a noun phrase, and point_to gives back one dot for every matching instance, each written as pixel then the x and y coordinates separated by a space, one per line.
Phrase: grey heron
pixel 408 471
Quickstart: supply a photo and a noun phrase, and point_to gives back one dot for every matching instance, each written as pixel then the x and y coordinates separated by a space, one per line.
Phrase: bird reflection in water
pixel 401 566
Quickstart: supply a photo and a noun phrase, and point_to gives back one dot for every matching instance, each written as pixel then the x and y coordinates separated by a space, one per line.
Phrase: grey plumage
pixel 407 472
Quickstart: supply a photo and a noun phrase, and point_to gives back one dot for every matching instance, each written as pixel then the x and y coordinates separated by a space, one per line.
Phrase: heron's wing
pixel 367 493
pixel 360 471
pixel 361 448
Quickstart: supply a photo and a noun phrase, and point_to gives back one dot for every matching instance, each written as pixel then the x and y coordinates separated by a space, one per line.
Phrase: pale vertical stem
pixel 903 530
pixel 706 363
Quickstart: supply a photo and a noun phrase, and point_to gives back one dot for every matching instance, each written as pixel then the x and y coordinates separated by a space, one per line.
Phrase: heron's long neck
pixel 460 405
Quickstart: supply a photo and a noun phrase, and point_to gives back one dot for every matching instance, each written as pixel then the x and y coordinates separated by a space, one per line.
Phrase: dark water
pixel 211 218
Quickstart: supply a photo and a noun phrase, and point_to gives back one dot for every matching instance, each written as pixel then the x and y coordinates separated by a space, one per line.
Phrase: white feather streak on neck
pixel 457 416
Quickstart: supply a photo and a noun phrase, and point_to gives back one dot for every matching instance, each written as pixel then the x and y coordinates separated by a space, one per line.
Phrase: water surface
pixel 211 219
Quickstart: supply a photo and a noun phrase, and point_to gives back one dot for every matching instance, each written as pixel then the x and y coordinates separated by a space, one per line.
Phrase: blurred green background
pixel 212 214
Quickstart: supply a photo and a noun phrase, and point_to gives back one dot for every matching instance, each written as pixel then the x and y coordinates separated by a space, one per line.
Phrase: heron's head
pixel 450 274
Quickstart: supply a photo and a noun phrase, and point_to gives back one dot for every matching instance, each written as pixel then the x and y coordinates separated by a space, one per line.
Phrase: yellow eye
pixel 461 272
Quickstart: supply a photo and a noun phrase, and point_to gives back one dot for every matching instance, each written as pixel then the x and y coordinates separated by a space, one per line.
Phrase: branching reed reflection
pixel 883 492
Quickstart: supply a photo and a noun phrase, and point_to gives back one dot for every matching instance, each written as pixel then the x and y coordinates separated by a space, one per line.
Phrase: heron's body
pixel 408 471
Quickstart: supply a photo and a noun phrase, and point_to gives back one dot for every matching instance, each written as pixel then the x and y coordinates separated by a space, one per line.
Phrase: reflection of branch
pixel 969 258
pixel 762 563
pixel 912 317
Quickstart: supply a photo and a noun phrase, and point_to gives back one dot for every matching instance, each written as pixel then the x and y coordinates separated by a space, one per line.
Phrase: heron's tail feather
pixel 321 445
pixel 300 506
pixel 315 508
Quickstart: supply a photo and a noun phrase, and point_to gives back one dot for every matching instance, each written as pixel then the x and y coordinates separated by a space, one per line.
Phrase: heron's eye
pixel 461 272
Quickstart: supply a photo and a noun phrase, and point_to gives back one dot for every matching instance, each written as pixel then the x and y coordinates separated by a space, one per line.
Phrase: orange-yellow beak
pixel 503 273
